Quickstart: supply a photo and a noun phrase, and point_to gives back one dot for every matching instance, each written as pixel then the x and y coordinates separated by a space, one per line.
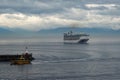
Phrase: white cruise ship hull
pixel 76 41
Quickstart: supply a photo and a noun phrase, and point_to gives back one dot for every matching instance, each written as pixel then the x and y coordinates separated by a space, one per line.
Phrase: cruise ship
pixel 71 37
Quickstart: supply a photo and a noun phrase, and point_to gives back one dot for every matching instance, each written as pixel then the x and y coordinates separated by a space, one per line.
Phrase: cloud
pixel 32 22
pixel 23 6
pixel 35 23
pixel 35 15
pixel 108 6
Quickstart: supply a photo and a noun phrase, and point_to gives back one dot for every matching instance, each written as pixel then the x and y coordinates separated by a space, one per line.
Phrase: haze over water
pixel 54 60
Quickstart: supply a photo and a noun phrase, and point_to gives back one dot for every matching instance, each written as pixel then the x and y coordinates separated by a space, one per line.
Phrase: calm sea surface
pixel 98 60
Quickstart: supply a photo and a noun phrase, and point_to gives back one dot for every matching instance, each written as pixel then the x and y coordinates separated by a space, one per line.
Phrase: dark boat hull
pixel 83 41
pixel 4 58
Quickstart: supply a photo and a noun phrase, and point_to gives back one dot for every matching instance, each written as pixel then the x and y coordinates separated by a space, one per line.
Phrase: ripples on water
pixel 58 61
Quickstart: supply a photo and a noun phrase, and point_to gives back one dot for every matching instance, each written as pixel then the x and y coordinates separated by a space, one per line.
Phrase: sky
pixel 35 15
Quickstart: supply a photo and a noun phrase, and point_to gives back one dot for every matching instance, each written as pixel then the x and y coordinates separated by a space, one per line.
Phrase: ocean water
pixel 97 60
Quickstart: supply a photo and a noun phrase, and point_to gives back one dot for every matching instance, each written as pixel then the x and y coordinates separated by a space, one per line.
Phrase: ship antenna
pixel 26 49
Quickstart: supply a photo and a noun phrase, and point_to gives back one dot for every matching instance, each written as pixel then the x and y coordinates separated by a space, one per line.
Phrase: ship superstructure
pixel 70 37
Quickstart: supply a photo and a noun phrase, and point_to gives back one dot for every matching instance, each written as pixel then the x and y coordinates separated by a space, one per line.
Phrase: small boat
pixel 23 59
pixel 20 61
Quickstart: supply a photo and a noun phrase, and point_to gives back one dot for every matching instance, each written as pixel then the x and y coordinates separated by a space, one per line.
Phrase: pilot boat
pixel 20 61
pixel 23 59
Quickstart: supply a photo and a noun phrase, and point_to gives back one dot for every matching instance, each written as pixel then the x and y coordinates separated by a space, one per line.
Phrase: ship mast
pixel 26 49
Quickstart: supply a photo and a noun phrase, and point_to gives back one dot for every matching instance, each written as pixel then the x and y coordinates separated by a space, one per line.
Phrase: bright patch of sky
pixel 35 15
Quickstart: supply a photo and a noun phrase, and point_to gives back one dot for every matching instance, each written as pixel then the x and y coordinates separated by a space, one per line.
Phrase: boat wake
pixel 55 59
